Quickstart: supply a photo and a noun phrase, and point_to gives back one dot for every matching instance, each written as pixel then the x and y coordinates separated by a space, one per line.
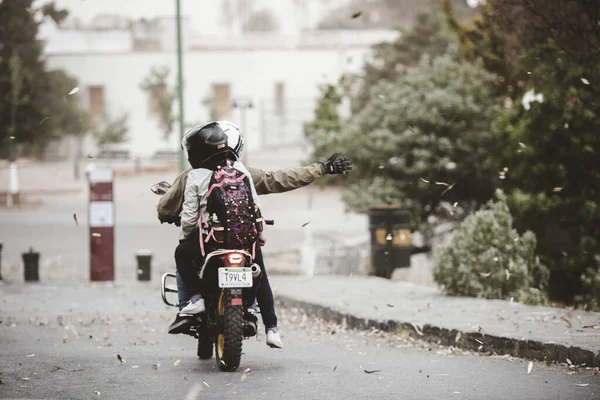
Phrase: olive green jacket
pixel 265 182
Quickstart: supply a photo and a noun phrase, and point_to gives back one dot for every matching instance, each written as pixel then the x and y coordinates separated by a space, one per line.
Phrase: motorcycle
pixel 230 281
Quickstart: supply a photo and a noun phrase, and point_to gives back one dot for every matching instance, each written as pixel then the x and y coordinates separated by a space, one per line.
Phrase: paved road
pixel 62 343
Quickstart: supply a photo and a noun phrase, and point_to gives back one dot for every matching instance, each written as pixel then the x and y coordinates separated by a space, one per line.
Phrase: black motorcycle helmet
pixel 206 145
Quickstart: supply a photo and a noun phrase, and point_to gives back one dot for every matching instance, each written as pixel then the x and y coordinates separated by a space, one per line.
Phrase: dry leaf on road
pixel 245 374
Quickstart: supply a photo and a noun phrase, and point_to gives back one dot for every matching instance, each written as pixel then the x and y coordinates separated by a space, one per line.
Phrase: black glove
pixel 334 165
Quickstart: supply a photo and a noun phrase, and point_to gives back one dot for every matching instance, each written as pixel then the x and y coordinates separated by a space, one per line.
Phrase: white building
pixel 279 74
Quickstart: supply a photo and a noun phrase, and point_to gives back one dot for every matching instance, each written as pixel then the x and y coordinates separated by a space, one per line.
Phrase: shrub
pixel 488 258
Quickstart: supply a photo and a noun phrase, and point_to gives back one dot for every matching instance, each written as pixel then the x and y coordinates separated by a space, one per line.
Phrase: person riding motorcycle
pixel 278 181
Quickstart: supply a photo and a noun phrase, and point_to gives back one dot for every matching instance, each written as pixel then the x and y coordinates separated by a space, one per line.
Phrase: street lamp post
pixel 243 105
pixel 180 83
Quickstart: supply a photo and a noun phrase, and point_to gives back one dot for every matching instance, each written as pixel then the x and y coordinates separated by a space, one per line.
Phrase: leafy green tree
pixel 35 105
pixel 551 151
pixel 423 140
pixel 324 129
pixel 155 84
pixel 112 130
pixel 553 155
pixel 488 258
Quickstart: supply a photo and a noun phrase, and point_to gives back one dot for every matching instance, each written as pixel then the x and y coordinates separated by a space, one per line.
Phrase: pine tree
pixel 35 106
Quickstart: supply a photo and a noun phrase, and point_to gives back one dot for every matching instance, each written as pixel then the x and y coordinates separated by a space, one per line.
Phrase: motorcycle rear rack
pixel 164 289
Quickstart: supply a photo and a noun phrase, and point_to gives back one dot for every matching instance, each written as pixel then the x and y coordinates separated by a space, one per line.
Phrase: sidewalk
pixel 541 333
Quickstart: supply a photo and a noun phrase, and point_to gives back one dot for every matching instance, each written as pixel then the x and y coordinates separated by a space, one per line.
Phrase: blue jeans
pixel 264 294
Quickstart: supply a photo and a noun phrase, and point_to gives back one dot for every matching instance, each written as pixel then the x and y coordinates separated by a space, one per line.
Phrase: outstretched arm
pixel 284 180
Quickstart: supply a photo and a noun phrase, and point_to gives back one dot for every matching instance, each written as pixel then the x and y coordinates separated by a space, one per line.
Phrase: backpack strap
pixel 211 234
pixel 200 223
pixel 224 181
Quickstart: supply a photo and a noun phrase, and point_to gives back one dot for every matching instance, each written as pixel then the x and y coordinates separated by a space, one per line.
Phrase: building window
pixel 157 93
pixel 221 99
pixel 96 98
pixel 279 98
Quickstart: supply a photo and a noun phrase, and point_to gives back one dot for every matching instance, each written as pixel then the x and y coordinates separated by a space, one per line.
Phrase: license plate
pixel 235 277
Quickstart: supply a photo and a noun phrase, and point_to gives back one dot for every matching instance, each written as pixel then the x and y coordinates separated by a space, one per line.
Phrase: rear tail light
pixel 235 259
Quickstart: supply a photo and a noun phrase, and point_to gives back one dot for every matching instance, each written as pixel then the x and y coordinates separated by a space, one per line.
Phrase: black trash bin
pixel 31 261
pixel 144 261
pixel 391 246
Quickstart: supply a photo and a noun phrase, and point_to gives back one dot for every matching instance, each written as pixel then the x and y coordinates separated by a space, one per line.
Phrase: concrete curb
pixel 522 348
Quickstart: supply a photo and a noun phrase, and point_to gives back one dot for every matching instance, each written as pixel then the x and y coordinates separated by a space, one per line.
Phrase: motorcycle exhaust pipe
pixel 255 270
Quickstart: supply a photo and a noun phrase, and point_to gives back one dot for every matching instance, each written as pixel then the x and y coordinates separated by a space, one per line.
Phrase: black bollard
pixel 31 263
pixel 144 261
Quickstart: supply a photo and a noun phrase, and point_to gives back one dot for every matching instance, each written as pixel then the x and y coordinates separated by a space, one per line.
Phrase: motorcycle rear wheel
pixel 228 344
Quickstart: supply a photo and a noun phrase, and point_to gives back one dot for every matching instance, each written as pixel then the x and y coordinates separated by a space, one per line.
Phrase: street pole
pixel 180 84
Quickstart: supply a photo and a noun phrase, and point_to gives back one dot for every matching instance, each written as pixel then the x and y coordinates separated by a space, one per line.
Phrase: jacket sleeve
pixel 169 205
pixel 284 180
pixel 190 209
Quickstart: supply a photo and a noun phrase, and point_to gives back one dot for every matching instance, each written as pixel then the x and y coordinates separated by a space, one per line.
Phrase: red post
pixel 101 215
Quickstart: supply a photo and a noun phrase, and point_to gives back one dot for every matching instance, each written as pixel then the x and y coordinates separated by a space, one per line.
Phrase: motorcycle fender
pixel 236 298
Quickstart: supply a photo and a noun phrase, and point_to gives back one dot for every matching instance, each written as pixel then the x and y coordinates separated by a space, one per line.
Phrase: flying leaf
pixel 522 145
pixel 306 223
pixel 31 355
pixel 356 14
pixel 245 374
pixel 373 371
pixel 485 274
pixel 120 358
pixel 96 234
pixel 569 362
pixel 448 188
pixel 442 184
pixel 390 305
pixel 74 90
pixel 585 81
pixel 207 385
pixel 417 329
pixel 557 189
pixel 529 367
pixel 424 180
pixel 334 368
pixel 176 363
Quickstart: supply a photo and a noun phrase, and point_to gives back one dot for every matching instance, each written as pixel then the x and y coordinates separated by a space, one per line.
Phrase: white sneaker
pixel 195 306
pixel 273 339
